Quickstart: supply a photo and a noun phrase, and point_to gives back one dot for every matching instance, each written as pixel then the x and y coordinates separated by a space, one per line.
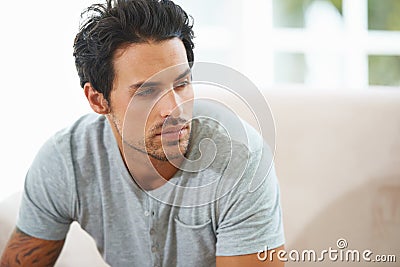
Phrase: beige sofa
pixel 338 161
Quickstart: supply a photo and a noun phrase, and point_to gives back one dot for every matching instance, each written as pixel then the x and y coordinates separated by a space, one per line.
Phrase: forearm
pixel 24 250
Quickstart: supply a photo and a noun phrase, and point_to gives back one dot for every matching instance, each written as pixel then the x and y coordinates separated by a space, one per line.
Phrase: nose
pixel 170 104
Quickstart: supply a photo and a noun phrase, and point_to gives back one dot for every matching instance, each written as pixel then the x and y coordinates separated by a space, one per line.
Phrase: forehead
pixel 139 62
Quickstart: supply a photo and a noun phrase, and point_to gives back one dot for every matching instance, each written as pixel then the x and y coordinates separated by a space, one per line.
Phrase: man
pixel 126 173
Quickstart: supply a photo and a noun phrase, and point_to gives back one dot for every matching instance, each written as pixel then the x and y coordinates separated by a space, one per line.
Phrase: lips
pixel 175 129
pixel 174 132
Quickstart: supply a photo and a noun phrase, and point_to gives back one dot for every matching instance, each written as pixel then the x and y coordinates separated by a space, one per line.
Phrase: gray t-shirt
pixel 228 207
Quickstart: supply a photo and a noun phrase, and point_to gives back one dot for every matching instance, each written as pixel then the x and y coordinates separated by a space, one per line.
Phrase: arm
pixel 25 250
pixel 248 260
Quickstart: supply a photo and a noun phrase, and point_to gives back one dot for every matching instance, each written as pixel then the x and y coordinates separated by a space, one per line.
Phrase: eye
pixel 182 85
pixel 145 92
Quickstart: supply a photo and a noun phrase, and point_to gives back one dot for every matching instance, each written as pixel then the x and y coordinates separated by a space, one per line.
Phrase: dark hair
pixel 114 24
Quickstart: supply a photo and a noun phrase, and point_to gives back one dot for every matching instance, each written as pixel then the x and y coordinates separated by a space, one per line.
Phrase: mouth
pixel 175 132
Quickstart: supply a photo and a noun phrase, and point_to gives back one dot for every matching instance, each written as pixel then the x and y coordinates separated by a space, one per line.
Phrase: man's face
pixel 152 99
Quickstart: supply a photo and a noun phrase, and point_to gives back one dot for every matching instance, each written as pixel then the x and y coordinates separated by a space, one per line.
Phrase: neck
pixel 148 172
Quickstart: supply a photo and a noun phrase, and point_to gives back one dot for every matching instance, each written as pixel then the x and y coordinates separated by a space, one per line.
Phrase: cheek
pixel 129 116
pixel 187 100
pixel 136 123
pixel 119 102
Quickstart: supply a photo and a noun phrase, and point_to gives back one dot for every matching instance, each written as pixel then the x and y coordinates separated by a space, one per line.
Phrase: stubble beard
pixel 151 148
pixel 161 151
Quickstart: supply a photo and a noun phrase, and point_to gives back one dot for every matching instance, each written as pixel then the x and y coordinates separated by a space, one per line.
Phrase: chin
pixel 172 152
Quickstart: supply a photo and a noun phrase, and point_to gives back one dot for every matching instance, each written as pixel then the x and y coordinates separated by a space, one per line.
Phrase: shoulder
pixel 89 132
pixel 66 157
pixel 235 150
pixel 90 125
pixel 228 141
pixel 216 121
pixel 73 142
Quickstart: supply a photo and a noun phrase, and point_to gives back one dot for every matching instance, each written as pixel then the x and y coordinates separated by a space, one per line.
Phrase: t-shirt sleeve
pixel 46 206
pixel 250 216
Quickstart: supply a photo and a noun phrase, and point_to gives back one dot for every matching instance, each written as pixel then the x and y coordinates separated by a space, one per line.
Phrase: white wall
pixel 40 88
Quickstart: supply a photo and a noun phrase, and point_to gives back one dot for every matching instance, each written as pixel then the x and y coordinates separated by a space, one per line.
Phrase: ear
pixel 96 99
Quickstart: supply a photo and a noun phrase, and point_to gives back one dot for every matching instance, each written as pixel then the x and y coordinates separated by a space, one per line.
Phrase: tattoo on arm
pixel 25 250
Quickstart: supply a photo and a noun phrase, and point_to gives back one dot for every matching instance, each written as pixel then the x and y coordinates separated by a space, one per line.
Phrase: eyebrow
pixel 151 84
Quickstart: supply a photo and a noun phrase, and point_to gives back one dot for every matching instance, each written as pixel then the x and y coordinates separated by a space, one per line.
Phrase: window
pixel 318 43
